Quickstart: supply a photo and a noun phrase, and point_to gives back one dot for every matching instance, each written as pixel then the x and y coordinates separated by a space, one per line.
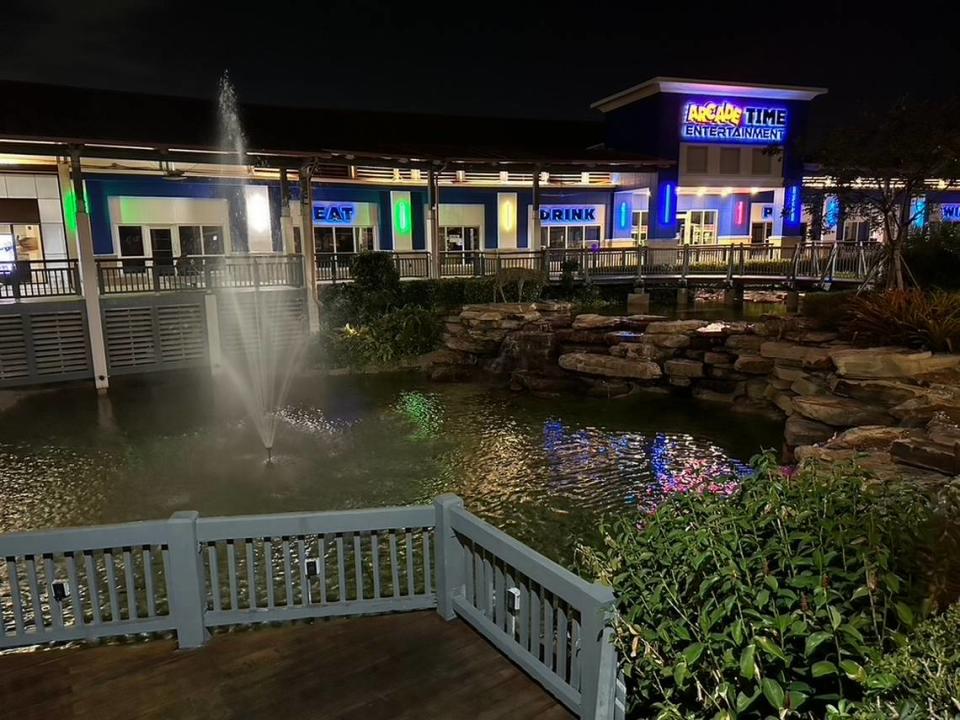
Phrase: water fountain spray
pixel 261 373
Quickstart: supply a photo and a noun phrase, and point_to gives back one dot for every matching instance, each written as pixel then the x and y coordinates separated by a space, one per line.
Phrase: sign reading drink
pixel 569 215
pixel 728 122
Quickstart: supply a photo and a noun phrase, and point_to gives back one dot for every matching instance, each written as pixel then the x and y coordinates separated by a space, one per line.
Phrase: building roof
pixel 43 119
pixel 705 87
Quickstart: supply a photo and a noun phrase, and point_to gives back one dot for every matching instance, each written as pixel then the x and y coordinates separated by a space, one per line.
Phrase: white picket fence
pixel 189 574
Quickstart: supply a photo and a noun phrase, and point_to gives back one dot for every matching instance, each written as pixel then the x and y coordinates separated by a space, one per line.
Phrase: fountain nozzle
pixel 269 454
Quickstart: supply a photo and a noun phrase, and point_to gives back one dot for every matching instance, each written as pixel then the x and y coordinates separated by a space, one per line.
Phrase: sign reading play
pixel 728 122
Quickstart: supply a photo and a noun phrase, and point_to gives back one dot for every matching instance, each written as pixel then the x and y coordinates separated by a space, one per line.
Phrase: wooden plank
pixel 148 582
pixel 33 586
pixel 232 574
pixel 49 576
pixel 561 631
pixel 92 587
pixel 408 542
pixel 76 600
pixel 469 573
pixel 59 541
pixel 328 523
pixel 427 568
pixel 333 609
pixel 302 563
pixel 341 571
pixel 575 653
pixel 322 545
pixel 213 565
pixel 499 614
pixel 131 589
pixel 549 636
pixel 287 576
pixel 251 574
pixel 14 579
pixel 358 564
pixel 375 554
pixel 394 570
pixel 110 572
pixel 268 570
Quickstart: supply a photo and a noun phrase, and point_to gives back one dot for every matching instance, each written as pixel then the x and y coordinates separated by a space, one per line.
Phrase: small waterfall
pixel 261 375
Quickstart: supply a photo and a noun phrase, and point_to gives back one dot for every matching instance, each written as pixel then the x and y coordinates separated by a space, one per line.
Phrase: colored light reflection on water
pixel 544 470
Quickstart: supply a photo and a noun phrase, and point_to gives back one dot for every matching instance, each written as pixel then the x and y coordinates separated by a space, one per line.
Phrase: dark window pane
pixel 344 240
pixel 557 235
pixel 575 237
pixel 471 237
pixel 213 240
pixel 323 239
pixel 365 235
pixel 131 240
pixel 592 234
pixel 190 240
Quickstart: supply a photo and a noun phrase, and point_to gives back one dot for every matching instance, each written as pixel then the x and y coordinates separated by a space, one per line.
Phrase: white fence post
pixel 449 562
pixel 598 662
pixel 186 583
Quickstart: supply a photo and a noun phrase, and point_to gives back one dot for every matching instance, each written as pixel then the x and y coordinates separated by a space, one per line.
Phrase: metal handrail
pixel 22 279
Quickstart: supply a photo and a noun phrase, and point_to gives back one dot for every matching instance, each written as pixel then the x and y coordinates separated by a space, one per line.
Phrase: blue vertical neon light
pixel 832 215
pixel 793 204
pixel 624 217
pixel 666 208
pixel 920 212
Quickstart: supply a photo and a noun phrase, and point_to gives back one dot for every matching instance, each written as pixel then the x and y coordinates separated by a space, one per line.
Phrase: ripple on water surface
pixel 545 470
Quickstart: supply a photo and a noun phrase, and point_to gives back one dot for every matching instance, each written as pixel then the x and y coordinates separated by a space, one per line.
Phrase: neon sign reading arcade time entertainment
pixel 728 122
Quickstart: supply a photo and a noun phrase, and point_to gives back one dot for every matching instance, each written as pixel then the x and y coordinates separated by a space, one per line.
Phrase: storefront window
pixel 640 231
pixel 460 239
pixel 571 237
pixel 343 240
pixel 201 240
pixel 856 231
pixel 701 227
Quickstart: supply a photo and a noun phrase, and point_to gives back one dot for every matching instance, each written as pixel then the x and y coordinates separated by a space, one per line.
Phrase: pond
pixel 544 470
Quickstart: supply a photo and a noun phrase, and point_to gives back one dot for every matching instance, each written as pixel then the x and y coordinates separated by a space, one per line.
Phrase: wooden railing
pixel 751 262
pixel 190 574
pixel 197 272
pixel 39 279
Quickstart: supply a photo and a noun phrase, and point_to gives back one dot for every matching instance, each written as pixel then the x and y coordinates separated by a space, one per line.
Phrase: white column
pixel 91 299
pixel 309 253
pixel 214 347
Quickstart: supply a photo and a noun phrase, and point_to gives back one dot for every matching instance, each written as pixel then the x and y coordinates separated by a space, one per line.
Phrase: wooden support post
pixel 90 281
pixel 187 595
pixel 535 211
pixel 308 249
pixel 598 662
pixel 449 562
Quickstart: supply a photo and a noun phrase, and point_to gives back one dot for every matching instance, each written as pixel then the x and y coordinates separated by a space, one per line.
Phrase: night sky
pixel 545 59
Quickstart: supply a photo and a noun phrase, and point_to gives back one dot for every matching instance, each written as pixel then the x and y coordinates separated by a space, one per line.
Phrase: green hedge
pixel 768 602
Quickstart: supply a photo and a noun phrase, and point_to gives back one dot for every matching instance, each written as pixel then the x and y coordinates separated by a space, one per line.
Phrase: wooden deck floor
pixel 411 665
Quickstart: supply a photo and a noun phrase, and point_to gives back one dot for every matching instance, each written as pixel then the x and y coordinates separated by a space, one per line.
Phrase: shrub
pixel 401 333
pixel 907 317
pixel 933 257
pixel 375 271
pixel 920 679
pixel 767 603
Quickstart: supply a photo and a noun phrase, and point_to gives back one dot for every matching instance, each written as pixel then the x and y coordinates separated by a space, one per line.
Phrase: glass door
pixel 161 242
pixel 760 232
pixel 132 247
pixel 8 250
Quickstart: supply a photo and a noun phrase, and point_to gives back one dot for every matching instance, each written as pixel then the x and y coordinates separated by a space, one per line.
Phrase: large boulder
pixel 922 453
pixel 712 357
pixel 890 362
pixel 809 386
pixel 610 366
pixel 673 327
pixel 753 365
pixel 784 351
pixel 870 437
pixel 674 342
pixel 887 392
pixel 801 431
pixel 469 343
pixel 840 412
pixel 745 343
pixel 923 408
pixel 590 321
pixel 683 368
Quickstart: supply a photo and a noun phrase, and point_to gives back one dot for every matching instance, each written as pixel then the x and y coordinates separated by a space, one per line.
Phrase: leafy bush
pixel 907 317
pixel 767 603
pixel 398 334
pixel 933 257
pixel 375 271
pixel 920 679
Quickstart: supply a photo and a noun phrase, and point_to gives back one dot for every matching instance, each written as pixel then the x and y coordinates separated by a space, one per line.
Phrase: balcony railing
pixel 197 272
pixel 39 279
pixel 190 574
pixel 338 267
